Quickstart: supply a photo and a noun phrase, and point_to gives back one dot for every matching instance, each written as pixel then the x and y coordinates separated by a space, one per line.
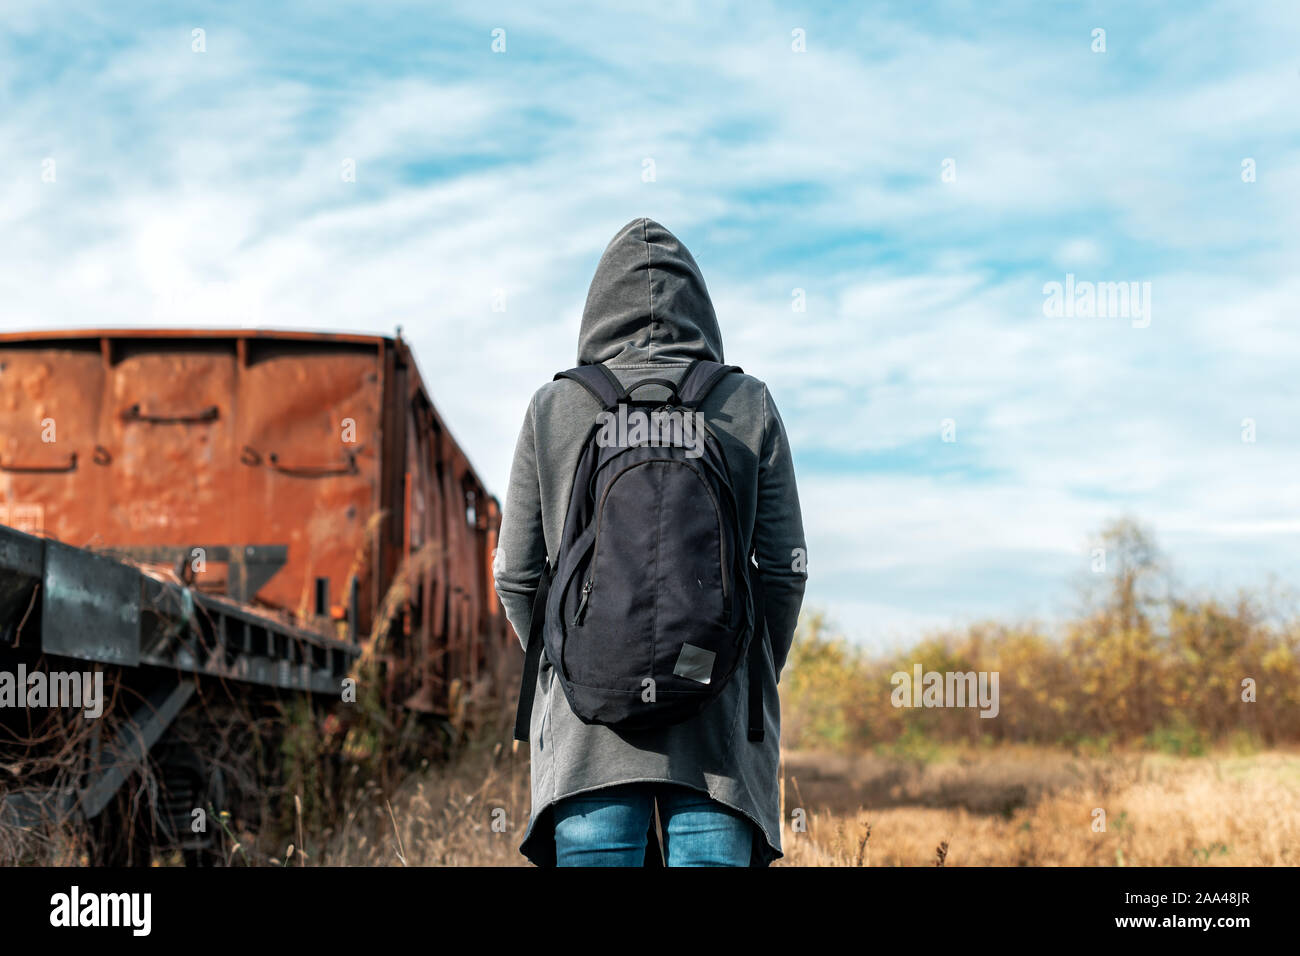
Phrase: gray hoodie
pixel 648 315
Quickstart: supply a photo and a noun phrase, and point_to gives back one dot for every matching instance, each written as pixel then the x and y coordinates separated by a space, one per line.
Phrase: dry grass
pixel 1036 808
pixel 469 813
pixel 1008 807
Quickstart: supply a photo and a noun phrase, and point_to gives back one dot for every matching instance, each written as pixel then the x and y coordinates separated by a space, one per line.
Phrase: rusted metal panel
pixel 308 437
pixel 166 430
pixel 49 431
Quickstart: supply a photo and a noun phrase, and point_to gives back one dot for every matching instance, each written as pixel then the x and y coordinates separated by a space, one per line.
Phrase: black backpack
pixel 650 603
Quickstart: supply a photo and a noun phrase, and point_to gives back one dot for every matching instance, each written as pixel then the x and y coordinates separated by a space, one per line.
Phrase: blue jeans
pixel 608 827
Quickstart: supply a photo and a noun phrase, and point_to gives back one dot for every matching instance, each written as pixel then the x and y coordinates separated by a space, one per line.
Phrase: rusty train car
pixel 299 488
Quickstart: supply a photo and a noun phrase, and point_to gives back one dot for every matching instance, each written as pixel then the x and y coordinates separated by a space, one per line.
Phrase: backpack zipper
pixel 582 605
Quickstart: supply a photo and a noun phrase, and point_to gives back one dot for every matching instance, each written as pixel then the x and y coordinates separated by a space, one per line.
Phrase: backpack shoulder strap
pixel 700 379
pixel 599 381
pixel 532 656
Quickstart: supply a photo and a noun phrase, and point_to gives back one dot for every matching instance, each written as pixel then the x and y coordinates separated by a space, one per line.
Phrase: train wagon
pixel 298 489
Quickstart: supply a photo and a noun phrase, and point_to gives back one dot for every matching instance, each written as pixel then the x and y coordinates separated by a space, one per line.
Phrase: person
pixel 596 790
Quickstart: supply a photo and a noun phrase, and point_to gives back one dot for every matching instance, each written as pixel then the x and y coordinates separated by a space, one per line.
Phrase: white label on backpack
pixel 695 663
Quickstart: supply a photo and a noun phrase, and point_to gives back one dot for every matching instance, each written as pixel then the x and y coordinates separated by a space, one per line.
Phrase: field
pixel 1026 807
pixel 1011 806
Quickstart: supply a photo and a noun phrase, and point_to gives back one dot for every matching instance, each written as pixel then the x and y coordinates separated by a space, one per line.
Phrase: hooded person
pixel 648 315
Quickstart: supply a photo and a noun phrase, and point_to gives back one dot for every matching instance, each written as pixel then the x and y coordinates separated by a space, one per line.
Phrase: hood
pixel 647 302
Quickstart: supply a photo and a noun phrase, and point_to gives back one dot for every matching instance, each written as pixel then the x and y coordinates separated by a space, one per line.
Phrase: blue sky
pixel 205 189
